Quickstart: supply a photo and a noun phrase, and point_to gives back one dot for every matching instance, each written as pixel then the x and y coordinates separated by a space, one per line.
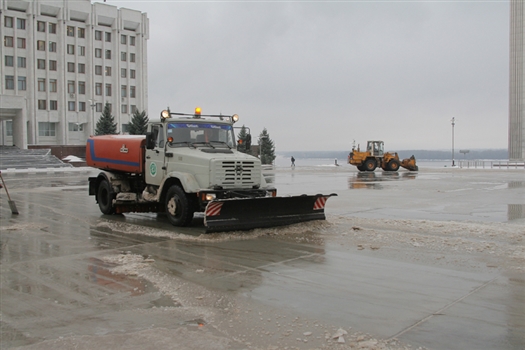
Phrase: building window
pixel 46 129
pixel 71 86
pixel 123 91
pixel 133 109
pixel 98 70
pixel 108 54
pixel 98 53
pixel 52 85
pixel 22 84
pixel 70 31
pixel 52 46
pixel 21 43
pixel 81 50
pixel 108 37
pixel 9 61
pixel 124 108
pixel 108 71
pixel 41 26
pixel 98 89
pixel 132 40
pixel 123 39
pixel 132 91
pixel 71 67
pixel 21 62
pixel 76 127
pixel 98 107
pixel 41 45
pixel 123 56
pixel 108 89
pixel 132 73
pixel 41 84
pixel 40 63
pixel 52 28
pixel 82 88
pixel 20 23
pixel 71 106
pixel 8 22
pixel 8 41
pixel 42 105
pixel 53 105
pixel 9 82
pixel 81 33
pixel 132 57
pixel 123 72
pixel 52 65
pixel 98 35
pixel 82 106
pixel 70 49
pixel 81 68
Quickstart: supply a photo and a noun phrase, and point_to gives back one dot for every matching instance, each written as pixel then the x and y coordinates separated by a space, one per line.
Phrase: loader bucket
pixel 250 213
pixel 410 164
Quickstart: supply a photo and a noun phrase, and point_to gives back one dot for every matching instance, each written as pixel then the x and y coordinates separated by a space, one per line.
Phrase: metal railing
pixel 491 164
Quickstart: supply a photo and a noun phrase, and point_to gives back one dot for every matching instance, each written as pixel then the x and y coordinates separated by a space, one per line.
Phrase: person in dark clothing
pixel 293 161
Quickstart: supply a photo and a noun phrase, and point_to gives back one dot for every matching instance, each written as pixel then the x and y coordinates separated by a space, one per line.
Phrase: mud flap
pixel 249 213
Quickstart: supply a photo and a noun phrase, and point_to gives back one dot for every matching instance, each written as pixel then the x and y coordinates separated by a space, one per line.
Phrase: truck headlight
pixel 210 196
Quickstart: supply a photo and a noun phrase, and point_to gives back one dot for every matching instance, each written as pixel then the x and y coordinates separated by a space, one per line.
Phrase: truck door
pixel 155 169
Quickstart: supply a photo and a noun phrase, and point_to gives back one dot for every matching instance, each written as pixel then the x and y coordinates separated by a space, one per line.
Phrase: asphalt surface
pixel 433 259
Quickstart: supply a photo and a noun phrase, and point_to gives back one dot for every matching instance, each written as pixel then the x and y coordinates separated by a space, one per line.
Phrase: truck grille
pixel 236 174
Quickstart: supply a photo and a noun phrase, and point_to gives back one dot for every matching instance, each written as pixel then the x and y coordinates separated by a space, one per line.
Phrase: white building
pixel 517 81
pixel 61 62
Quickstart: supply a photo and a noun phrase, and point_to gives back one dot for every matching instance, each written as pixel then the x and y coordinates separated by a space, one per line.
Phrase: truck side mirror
pixel 150 141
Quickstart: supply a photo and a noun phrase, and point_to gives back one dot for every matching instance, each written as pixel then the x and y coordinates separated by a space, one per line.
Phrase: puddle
pixel 100 274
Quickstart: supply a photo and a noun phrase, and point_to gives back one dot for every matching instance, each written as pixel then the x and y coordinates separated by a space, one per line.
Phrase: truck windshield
pixel 201 134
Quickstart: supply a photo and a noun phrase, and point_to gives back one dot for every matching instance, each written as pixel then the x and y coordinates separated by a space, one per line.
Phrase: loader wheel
pixel 370 164
pixel 361 168
pixel 178 208
pixel 393 165
pixel 105 196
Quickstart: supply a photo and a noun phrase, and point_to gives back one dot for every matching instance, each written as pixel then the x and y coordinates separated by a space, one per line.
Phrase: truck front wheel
pixel 178 209
pixel 370 164
pixel 105 196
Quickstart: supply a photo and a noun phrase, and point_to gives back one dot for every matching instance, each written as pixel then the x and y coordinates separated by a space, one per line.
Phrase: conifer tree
pixel 266 148
pixel 139 123
pixel 106 124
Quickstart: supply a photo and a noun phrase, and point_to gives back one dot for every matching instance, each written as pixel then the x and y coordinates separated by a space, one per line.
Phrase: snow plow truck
pixel 189 163
pixel 375 157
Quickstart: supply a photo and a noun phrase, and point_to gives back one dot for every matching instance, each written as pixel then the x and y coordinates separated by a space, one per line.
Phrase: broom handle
pixel 5 187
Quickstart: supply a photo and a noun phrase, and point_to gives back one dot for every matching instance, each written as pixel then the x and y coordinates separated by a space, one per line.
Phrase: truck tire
pixel 361 168
pixel 393 165
pixel 178 207
pixel 105 196
pixel 370 164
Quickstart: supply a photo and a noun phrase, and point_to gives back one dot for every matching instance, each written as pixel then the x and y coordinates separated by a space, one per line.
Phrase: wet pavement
pixel 71 276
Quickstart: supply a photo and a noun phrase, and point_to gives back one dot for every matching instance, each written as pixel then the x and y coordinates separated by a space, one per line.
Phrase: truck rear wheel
pixel 178 207
pixel 370 164
pixel 105 196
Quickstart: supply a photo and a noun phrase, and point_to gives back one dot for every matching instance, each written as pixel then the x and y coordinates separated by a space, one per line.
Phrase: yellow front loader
pixel 375 157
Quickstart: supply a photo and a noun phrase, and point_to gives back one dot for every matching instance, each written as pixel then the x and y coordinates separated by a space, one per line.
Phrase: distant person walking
pixel 293 162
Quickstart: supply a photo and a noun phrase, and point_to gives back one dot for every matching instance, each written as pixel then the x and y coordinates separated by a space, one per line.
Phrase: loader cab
pixel 375 148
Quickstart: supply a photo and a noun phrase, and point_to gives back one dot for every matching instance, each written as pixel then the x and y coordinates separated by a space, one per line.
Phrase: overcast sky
pixel 320 74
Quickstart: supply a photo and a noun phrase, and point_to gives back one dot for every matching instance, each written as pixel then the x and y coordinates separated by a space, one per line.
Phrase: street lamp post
pixel 92 104
pixel 453 123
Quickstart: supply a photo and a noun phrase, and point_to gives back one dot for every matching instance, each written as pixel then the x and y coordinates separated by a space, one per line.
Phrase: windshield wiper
pixel 187 143
pixel 222 143
pixel 203 143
